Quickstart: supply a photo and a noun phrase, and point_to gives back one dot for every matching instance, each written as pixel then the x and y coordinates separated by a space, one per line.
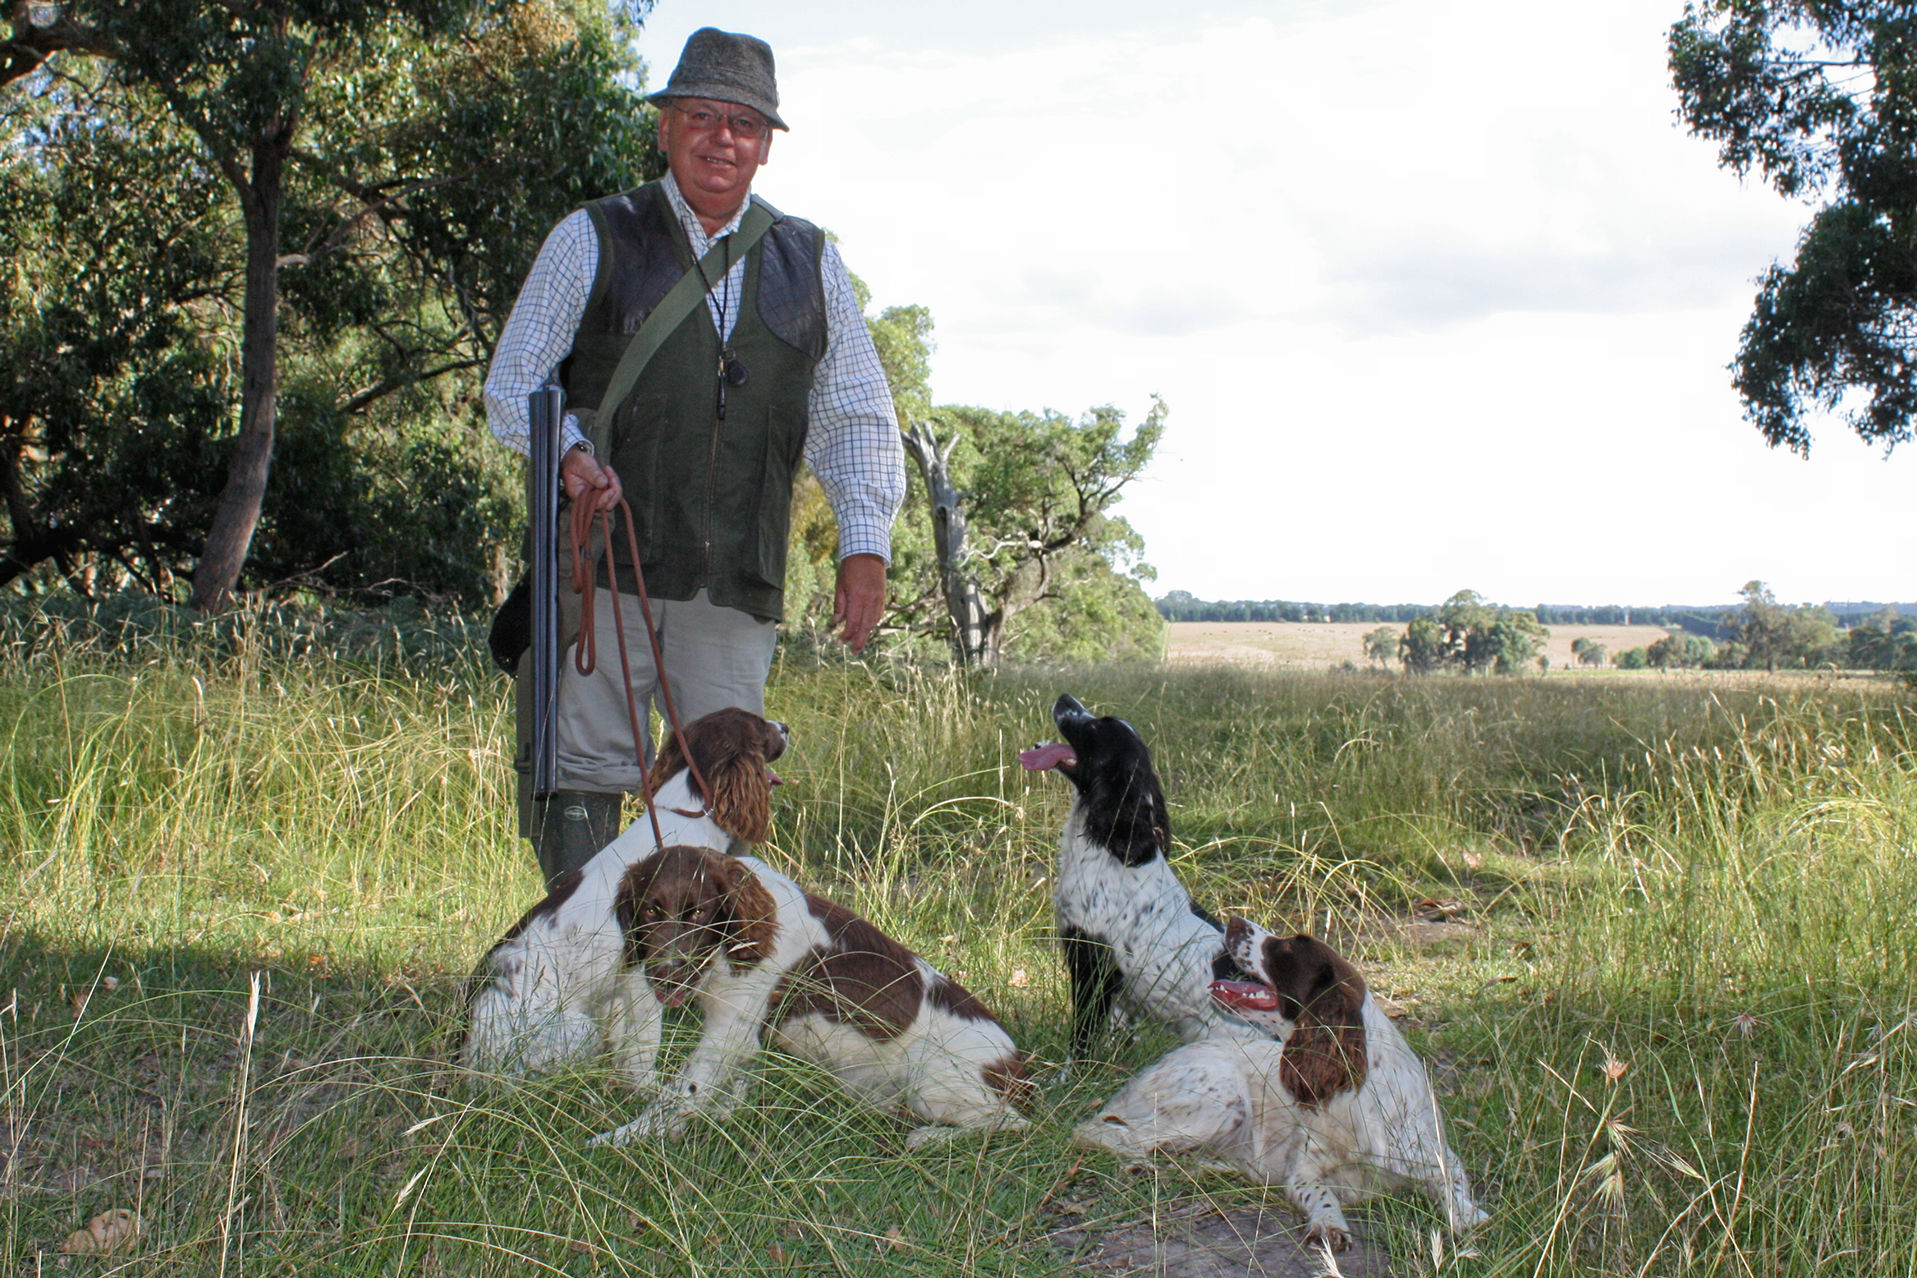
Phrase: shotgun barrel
pixel 547 407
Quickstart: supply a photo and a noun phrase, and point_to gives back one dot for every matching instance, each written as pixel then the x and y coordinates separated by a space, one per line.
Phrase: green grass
pixel 247 868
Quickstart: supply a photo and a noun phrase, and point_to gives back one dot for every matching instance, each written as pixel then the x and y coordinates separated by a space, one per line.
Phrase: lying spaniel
pixel 756 952
pixel 542 996
pixel 1134 939
pixel 1333 1105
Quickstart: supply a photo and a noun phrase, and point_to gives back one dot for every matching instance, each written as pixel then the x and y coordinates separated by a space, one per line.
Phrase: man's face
pixel 711 162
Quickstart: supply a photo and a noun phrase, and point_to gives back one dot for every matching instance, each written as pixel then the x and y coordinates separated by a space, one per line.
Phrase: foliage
pixel 1381 645
pixel 1422 649
pixel 427 148
pixel 1774 636
pixel 1050 559
pixel 1632 659
pixel 1588 651
pixel 1467 632
pixel 1821 99
pixel 1680 652
pixel 1885 642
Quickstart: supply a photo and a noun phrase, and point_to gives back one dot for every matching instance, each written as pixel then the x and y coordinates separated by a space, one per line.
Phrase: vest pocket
pixel 638 429
pixel 784 446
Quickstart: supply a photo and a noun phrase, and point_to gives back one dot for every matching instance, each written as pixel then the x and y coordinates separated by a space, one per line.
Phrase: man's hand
pixel 581 474
pixel 859 601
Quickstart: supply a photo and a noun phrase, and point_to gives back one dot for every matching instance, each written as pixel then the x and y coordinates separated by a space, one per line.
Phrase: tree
pixel 1514 639
pixel 1680 652
pixel 379 176
pixel 1422 649
pixel 1588 651
pixel 1764 629
pixel 1820 97
pixel 1381 645
pixel 1037 492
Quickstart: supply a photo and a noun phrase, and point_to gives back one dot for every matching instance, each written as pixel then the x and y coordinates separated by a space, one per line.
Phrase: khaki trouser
pixel 715 657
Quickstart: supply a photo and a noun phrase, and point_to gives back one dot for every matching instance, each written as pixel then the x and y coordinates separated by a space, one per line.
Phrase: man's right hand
pixel 582 474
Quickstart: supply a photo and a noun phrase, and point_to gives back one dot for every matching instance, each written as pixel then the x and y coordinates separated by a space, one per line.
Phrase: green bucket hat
pixel 726 67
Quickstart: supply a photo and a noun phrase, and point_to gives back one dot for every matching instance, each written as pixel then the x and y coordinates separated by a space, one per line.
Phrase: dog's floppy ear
pixel 632 889
pixel 669 763
pixel 741 798
pixel 1325 1054
pixel 755 916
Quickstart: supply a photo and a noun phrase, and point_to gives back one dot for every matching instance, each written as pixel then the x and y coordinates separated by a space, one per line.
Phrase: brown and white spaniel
pixel 1333 1105
pixel 542 996
pixel 760 955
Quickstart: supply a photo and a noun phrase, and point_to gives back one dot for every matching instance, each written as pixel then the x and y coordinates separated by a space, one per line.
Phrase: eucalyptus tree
pixel 1819 97
pixel 375 178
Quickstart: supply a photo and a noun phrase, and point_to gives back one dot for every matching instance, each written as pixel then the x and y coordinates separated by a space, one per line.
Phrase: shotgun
pixel 546 408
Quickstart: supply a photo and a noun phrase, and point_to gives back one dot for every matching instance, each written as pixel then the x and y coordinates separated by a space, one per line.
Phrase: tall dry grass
pixel 1669 1008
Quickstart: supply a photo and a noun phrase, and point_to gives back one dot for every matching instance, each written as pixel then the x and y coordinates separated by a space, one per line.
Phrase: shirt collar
pixel 694 228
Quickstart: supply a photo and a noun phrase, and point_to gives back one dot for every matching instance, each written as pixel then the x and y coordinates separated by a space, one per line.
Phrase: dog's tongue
pixel 672 995
pixel 1249 995
pixel 773 778
pixel 1044 758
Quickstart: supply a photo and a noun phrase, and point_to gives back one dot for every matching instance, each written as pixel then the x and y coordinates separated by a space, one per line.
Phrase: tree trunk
pixel 974 636
pixel 238 513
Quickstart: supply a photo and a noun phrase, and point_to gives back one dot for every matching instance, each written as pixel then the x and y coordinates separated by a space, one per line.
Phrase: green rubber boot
pixel 571 827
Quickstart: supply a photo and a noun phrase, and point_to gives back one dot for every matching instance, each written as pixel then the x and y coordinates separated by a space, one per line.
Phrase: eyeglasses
pixel 749 127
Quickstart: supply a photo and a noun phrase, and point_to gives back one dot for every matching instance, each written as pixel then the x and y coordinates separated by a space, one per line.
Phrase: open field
pixel 1311 645
pixel 1653 935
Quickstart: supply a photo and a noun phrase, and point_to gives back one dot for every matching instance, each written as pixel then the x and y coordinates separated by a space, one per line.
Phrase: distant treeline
pixel 1719 621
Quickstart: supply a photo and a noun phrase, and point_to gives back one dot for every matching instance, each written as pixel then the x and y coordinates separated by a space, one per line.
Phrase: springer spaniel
pixel 542 995
pixel 758 953
pixel 1333 1105
pixel 1131 932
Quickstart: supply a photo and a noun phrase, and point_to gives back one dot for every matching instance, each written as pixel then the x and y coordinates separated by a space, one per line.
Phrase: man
pixel 776 362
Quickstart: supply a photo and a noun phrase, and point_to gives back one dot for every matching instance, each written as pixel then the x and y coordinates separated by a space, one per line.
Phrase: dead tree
pixel 972 635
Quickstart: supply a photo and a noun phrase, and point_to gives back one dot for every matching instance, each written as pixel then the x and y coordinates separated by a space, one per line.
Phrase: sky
pixel 1439 296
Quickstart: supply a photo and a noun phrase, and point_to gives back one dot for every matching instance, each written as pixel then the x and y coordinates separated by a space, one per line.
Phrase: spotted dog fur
pixel 543 996
pixel 1135 942
pixel 1333 1105
pixel 755 952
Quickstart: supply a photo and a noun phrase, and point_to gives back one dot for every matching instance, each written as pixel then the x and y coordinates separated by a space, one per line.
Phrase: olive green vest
pixel 711 496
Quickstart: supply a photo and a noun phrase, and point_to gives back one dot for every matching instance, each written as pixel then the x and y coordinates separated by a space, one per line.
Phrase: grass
pixel 248 867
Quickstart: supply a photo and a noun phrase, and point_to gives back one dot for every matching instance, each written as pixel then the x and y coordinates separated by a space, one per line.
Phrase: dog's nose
pixel 1068 707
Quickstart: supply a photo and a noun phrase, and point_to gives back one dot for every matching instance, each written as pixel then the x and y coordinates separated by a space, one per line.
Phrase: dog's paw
pixel 1329 1236
pixel 657 1123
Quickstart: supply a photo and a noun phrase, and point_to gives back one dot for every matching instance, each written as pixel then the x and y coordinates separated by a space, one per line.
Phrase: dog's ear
pixel 1325 1054
pixel 668 763
pixel 633 887
pixel 755 916
pixel 741 798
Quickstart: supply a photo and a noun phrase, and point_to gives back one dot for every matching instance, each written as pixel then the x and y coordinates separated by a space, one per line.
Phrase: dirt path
pixel 1198 1240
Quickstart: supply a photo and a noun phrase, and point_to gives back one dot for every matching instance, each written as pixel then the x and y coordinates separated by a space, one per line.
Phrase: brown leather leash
pixel 585 565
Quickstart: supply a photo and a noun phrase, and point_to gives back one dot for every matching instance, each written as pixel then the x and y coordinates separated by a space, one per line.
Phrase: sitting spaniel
pixel 758 953
pixel 1333 1105
pixel 1137 946
pixel 542 996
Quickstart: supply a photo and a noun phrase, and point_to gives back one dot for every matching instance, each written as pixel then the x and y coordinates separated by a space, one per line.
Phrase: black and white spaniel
pixel 759 955
pixel 1333 1105
pixel 1133 937
pixel 542 995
